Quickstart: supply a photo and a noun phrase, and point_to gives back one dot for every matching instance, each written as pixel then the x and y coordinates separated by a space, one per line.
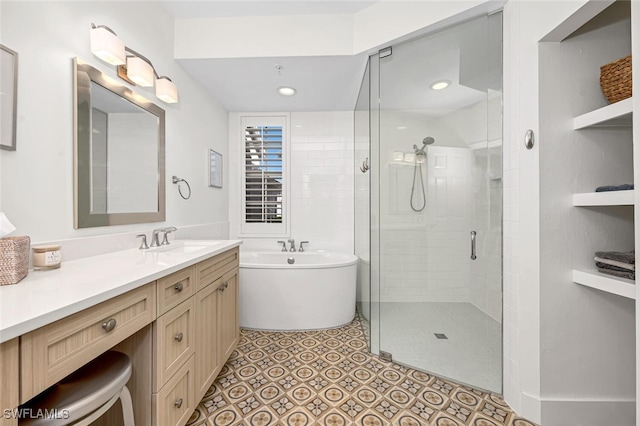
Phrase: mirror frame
pixel 83 75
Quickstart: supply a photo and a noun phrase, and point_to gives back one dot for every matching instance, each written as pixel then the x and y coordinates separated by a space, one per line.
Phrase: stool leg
pixel 127 407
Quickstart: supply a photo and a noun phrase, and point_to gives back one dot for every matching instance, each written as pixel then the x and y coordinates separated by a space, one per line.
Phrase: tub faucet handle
pixel 293 244
pixel 301 249
pixel 284 245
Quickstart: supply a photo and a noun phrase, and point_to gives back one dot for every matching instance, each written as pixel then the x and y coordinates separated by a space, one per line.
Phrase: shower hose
pixel 417 169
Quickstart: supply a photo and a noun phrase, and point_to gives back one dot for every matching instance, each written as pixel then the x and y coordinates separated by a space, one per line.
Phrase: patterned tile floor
pixel 328 377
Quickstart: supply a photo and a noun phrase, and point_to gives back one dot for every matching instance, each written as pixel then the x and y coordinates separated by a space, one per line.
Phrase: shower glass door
pixel 436 202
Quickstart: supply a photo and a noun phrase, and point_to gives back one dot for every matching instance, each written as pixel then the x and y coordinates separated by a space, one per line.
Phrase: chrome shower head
pixel 428 140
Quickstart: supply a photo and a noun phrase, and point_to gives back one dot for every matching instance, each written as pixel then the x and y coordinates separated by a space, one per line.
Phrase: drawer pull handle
pixel 224 286
pixel 179 337
pixel 178 403
pixel 109 325
pixel 178 287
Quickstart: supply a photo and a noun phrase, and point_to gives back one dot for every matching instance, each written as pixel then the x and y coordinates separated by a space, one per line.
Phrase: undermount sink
pixel 185 246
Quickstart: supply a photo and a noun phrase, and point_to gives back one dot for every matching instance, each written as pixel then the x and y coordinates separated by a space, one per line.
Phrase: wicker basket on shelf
pixel 14 259
pixel 615 79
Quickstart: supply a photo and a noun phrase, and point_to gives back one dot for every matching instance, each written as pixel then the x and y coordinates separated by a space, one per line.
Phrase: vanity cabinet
pixel 178 331
pixel 9 372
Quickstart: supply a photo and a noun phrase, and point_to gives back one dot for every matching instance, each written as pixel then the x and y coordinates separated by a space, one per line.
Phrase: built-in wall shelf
pixel 607 198
pixel 614 115
pixel 610 284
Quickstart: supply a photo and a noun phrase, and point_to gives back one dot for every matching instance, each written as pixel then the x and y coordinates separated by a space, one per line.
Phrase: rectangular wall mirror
pixel 118 153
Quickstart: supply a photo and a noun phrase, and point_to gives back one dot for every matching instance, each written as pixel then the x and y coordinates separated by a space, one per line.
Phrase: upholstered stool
pixel 85 395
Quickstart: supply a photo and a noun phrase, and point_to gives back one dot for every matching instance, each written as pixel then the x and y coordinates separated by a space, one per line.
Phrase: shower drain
pixel 440 336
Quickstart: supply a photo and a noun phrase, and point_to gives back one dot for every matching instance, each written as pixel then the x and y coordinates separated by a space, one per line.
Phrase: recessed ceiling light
pixel 440 84
pixel 286 91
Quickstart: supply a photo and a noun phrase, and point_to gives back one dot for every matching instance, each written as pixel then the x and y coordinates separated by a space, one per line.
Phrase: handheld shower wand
pixel 420 157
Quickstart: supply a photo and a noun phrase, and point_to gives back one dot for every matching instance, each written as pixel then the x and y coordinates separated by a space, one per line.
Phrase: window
pixel 264 179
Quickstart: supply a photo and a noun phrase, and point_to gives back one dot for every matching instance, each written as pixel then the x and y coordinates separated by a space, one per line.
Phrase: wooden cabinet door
pixel 9 381
pixel 207 360
pixel 174 334
pixel 229 324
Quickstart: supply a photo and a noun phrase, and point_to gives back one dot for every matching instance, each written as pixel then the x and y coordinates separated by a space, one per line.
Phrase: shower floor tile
pixel 470 353
pixel 328 377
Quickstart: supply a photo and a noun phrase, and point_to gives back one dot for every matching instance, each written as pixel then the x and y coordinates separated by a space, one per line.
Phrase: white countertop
pixel 45 296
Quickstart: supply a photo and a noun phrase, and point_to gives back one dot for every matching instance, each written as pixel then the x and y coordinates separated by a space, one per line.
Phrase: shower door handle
pixel 473 245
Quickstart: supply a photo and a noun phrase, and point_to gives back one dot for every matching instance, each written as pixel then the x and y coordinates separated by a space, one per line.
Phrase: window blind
pixel 263 174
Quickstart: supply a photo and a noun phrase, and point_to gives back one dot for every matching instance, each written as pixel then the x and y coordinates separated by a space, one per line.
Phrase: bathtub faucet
pixel 284 245
pixel 293 245
pixel 301 249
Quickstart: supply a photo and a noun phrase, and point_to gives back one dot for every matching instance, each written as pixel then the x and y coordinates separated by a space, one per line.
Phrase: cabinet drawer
pixel 174 341
pixel 52 352
pixel 175 402
pixel 175 289
pixel 211 269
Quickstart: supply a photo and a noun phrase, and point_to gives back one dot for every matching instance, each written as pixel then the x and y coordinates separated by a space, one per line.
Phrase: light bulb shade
pixel 139 71
pixel 166 90
pixel 107 46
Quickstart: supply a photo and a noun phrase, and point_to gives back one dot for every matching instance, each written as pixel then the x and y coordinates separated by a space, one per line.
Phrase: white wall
pixel 36 188
pixel 525 23
pixel 366 30
pixel 321 179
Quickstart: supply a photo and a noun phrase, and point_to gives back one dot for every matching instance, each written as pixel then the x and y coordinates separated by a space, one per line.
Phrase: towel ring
pixel 176 179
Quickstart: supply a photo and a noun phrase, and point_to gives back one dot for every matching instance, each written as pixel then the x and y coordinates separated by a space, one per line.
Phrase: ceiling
pixel 328 83
pixel 235 8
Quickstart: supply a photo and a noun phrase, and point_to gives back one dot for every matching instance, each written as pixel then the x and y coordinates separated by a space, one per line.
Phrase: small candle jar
pixel 46 257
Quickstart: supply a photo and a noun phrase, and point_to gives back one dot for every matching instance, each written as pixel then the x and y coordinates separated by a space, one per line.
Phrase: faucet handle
pixel 301 243
pixel 143 244
pixel 167 231
pixel 284 245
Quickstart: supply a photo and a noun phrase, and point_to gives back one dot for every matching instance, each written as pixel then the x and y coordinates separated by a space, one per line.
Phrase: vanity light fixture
pixel 287 91
pixel 440 84
pixel 138 70
pixel 166 90
pixel 106 45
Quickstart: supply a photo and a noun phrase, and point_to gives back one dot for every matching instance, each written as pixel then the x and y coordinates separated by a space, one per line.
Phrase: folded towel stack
pixel 619 264
pixel 607 188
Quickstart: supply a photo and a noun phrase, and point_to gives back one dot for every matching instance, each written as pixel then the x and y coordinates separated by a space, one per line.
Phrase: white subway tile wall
pixel 321 179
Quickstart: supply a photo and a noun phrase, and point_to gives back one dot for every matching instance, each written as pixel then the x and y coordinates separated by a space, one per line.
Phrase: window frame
pixel 265 230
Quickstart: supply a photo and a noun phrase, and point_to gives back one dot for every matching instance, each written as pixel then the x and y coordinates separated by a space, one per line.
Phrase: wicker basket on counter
pixel 615 79
pixel 14 259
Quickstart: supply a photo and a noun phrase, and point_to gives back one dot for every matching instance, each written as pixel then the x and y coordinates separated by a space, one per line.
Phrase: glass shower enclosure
pixel 428 211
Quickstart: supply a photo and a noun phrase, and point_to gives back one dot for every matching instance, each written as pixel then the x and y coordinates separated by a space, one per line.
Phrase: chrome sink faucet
pixel 293 244
pixel 155 237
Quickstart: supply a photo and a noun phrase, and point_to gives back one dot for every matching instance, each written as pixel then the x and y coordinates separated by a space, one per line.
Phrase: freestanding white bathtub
pixel 317 290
